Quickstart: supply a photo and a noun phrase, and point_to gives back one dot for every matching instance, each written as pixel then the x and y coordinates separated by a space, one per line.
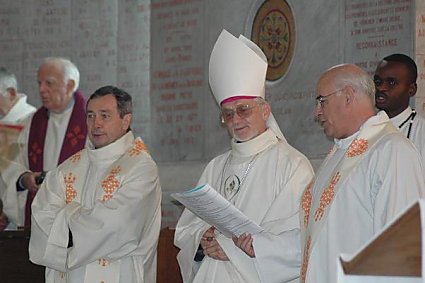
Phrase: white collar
pixel 110 151
pixel 379 118
pixel 255 145
pixel 66 111
pixel 400 118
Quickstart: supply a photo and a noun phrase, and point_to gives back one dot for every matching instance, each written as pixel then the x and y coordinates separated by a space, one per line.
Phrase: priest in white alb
pixel 262 175
pixel 53 133
pixel 372 173
pixel 96 218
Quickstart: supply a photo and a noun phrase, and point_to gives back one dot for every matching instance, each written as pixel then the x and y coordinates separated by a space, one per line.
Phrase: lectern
pixel 394 255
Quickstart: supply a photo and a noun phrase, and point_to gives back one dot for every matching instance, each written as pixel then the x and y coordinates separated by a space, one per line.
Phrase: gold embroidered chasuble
pixel 316 205
pixel 110 200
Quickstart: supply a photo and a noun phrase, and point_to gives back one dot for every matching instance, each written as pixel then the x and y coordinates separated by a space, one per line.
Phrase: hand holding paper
pixel 213 208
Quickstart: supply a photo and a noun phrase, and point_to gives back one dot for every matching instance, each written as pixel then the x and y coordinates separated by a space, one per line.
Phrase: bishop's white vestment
pixel 264 178
pixel 110 200
pixel 364 182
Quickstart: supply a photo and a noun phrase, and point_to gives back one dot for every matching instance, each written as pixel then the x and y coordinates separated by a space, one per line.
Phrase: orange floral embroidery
pixel 76 157
pixel 110 183
pixel 305 260
pixel 70 192
pixel 103 262
pixel 326 197
pixel 138 147
pixel 306 203
pixel 357 147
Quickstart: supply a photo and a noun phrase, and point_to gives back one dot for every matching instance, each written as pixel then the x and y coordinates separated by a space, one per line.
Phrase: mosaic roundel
pixel 274 31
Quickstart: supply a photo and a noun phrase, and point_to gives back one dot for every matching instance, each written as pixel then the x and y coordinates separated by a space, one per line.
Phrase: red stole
pixel 74 141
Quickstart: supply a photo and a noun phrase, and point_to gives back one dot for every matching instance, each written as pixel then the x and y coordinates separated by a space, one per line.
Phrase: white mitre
pixel 237 70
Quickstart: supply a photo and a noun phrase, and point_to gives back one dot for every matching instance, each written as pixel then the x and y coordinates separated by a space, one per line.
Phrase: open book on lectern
pixel 206 203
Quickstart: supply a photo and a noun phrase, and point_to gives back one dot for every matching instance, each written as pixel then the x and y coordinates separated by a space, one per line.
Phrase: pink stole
pixel 75 138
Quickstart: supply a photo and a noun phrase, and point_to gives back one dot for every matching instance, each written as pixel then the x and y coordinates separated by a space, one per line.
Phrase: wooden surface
pixel 396 252
pixel 168 269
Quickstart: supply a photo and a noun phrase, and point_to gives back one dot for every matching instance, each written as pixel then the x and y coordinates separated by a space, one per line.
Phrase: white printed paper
pixel 213 208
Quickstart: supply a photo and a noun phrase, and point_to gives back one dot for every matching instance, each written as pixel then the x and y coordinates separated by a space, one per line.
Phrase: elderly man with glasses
pixel 262 175
pixel 372 173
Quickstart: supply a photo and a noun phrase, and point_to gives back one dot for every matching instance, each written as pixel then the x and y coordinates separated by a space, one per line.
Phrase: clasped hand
pixel 213 249
pixel 244 242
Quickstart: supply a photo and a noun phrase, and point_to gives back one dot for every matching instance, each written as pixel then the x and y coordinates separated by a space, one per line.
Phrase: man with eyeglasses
pixel 372 173
pixel 395 82
pixel 262 175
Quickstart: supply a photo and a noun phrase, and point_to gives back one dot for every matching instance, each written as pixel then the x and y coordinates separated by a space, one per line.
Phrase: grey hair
pixel 70 70
pixel 359 80
pixel 260 100
pixel 7 80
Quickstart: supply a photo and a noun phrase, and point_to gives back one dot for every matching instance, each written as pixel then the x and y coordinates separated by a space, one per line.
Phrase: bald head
pixel 351 75
pixel 352 103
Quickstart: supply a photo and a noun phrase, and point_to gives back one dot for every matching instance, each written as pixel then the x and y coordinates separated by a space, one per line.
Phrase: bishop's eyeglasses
pixel 243 111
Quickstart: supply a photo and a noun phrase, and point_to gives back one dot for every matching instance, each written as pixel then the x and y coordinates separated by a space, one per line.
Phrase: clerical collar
pixel 404 118
pixel 111 150
pixel 255 145
pixel 379 118
pixel 345 142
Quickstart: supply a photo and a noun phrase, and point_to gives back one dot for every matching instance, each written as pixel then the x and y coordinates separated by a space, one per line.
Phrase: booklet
pixel 206 203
